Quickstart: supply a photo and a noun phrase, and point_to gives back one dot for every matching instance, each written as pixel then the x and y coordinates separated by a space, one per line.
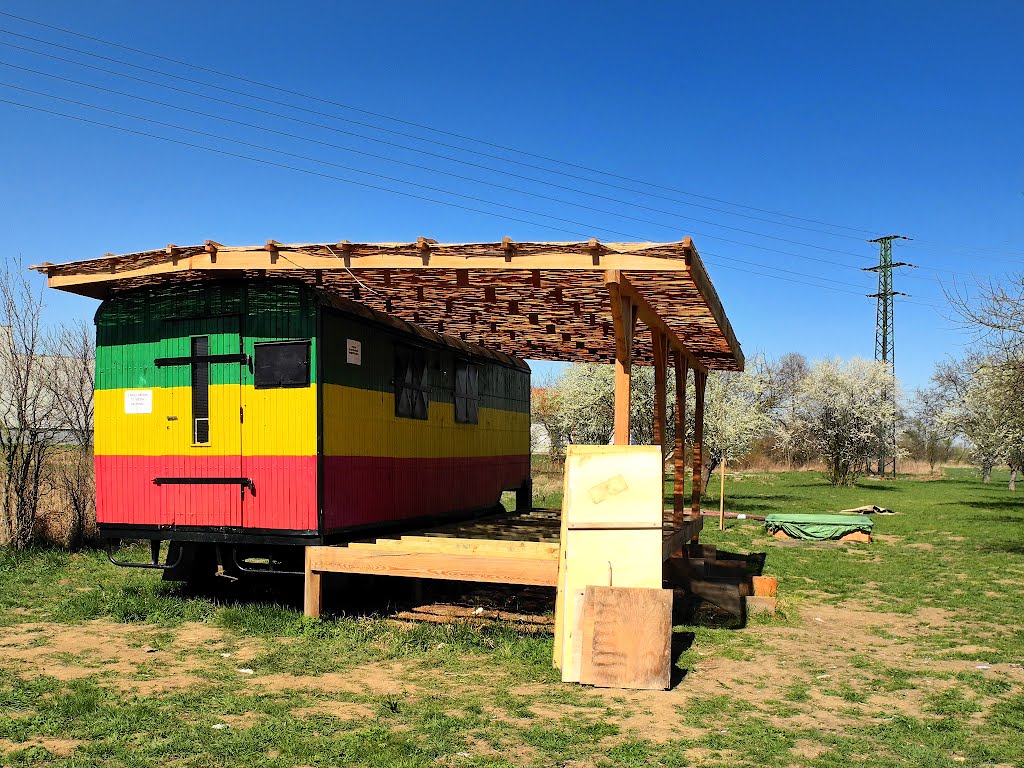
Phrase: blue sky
pixel 878 117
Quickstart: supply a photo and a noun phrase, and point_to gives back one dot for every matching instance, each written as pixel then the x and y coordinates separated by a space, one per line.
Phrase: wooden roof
pixel 542 301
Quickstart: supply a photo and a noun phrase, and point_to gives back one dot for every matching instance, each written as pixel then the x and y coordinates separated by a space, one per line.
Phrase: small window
pixel 412 392
pixel 467 393
pixel 200 392
pixel 281 364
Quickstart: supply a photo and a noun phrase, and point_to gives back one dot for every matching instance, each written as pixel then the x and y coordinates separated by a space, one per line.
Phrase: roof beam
pixel 647 315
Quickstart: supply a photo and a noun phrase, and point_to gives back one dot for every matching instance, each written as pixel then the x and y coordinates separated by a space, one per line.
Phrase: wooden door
pixel 201 483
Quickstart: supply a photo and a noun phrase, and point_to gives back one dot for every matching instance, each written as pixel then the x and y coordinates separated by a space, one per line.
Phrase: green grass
pixel 934 597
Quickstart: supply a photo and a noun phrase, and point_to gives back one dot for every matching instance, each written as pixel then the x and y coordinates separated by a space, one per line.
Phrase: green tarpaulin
pixel 817 527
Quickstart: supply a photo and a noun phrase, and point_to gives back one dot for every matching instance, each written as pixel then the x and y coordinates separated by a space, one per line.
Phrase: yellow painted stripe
pixel 278 422
pixel 360 422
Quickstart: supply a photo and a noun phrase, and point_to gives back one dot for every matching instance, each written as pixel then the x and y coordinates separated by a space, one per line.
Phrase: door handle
pixel 172 418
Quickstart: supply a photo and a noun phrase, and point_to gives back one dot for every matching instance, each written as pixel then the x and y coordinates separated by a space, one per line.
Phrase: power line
pixel 428 153
pixel 366 185
pixel 405 147
pixel 452 134
pixel 402 162
pixel 306 158
pixel 402 121
pixel 416 165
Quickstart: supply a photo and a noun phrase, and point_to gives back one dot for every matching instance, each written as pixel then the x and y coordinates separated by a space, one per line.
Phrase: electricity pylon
pixel 885 342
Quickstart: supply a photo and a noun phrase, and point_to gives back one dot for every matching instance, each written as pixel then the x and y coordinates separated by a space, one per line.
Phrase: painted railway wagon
pixel 237 419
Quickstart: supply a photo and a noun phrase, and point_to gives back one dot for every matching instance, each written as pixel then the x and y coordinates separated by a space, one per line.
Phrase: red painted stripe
pixel 284 499
pixel 361 490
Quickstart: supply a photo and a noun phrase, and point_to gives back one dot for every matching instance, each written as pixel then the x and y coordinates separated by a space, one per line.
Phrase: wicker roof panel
pixel 542 301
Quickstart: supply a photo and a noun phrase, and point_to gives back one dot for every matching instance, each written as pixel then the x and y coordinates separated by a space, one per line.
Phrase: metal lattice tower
pixel 885 340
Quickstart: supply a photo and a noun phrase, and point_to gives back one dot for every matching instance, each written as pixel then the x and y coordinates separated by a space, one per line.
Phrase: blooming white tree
pixel 736 415
pixel 583 400
pixel 735 410
pixel 840 411
pixel 984 397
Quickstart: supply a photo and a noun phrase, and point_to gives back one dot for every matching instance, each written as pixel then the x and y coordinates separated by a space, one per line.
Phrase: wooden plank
pixel 623 318
pixel 313 589
pixel 650 317
pixel 660 344
pixel 700 278
pixel 699 384
pixel 434 565
pixel 440 544
pixel 613 487
pixel 256 257
pixel 630 638
pixel 679 454
pixel 688 531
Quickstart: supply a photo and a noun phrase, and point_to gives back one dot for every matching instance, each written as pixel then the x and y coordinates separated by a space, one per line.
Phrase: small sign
pixel 353 352
pixel 138 401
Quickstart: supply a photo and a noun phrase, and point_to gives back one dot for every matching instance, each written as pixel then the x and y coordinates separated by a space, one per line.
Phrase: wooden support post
pixel 700 381
pixel 624 318
pixel 660 343
pixel 313 591
pixel 679 459
pixel 721 500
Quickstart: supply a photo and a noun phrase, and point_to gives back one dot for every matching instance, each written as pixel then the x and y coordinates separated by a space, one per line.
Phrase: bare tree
pixel 784 378
pixel 28 424
pixel 70 384
pixel 925 435
pixel 995 313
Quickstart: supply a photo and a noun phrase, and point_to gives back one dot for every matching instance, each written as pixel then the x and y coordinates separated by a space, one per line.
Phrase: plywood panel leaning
pixel 627 638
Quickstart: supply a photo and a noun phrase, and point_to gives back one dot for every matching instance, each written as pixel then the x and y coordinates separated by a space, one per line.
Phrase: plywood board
pixel 613 486
pixel 611 533
pixel 627 638
pixel 628 558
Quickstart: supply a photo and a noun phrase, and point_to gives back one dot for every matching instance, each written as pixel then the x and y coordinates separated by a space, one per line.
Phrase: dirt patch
pixel 373 679
pixel 808 750
pixel 888 538
pixel 58 747
pixel 113 650
pixel 824 651
pixel 343 710
pixel 158 685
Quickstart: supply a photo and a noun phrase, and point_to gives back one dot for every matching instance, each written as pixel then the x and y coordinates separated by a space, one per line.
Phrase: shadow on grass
pixel 995 504
pixel 682 641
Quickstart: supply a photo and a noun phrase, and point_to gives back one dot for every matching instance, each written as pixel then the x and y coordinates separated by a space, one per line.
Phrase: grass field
pixel 905 652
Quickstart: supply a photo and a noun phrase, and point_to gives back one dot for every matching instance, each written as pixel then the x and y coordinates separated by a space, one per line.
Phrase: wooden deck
pixel 516 548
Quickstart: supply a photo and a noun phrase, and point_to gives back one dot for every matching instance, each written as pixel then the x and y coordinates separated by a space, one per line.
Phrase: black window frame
pixel 200 386
pixel 279 383
pixel 467 392
pixel 412 397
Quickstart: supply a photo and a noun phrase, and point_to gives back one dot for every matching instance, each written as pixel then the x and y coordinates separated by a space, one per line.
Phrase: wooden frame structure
pixel 622 303
pixel 465 553
pixel 574 302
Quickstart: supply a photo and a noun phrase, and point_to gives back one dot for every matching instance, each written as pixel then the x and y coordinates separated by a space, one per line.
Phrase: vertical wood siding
pixel 381 468
pixel 268 435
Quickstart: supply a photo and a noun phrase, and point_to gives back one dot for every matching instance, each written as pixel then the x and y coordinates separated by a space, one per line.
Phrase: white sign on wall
pixel 138 401
pixel 353 352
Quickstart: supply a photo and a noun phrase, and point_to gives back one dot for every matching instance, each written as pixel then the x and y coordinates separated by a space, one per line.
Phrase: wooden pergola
pixel 626 303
